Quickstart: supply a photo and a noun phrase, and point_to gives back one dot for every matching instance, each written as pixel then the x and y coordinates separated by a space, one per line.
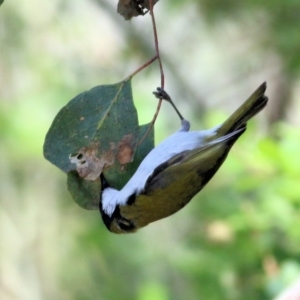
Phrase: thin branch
pixel 162 77
pixel 142 67
pixel 156 45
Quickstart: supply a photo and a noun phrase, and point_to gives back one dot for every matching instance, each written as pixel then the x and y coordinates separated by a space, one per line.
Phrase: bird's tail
pixel 253 105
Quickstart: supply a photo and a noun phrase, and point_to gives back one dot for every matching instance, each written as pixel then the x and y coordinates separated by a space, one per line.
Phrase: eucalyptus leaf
pixel 96 129
pixel 97 132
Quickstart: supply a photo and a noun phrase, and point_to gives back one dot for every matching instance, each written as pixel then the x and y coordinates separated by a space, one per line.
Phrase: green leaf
pixel 96 132
pixel 97 128
pixel 87 193
pixel 1 1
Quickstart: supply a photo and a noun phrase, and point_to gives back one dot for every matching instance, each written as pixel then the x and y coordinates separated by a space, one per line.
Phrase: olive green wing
pixel 174 183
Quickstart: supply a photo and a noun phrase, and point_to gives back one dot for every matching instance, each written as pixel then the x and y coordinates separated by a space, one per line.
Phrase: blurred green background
pixel 240 237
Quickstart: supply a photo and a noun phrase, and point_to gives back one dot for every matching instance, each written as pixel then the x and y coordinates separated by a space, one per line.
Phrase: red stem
pixel 142 67
pixel 162 77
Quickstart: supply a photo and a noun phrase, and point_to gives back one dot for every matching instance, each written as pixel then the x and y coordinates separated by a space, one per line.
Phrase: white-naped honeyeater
pixel 175 170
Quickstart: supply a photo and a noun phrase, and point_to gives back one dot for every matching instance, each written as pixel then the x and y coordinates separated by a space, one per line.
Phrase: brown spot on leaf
pixel 81 118
pixel 88 165
pixel 125 150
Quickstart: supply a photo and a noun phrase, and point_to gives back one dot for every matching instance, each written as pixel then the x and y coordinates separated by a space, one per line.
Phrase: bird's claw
pixel 162 94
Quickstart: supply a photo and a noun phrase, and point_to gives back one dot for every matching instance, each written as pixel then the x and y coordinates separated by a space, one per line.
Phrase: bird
pixel 175 170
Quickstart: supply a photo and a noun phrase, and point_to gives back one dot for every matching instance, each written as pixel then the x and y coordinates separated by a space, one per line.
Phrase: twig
pixel 162 77
pixel 142 67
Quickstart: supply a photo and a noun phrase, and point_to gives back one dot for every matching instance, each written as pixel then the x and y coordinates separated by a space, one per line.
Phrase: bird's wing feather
pixel 187 156
pixel 172 186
